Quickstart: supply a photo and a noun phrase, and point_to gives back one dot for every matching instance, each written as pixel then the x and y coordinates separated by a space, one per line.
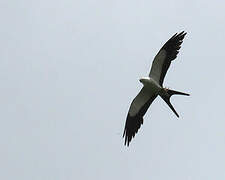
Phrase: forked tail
pixel 166 98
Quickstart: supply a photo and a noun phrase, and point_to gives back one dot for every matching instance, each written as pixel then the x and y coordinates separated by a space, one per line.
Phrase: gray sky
pixel 69 71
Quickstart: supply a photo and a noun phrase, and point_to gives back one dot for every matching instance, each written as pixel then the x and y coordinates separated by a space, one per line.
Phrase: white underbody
pixel 151 84
pixel 151 88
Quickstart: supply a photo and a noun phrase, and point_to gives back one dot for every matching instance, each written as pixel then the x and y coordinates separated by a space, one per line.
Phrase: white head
pixel 144 80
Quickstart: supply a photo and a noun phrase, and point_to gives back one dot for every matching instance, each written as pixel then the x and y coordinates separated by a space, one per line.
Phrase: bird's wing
pixel 137 110
pixel 163 59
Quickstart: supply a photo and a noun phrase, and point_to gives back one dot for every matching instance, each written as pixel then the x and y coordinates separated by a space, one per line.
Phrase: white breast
pixel 153 85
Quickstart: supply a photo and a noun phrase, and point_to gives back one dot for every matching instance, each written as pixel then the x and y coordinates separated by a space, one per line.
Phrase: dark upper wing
pixel 163 59
pixel 137 110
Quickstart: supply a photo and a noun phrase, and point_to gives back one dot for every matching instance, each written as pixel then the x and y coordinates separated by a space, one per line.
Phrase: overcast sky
pixel 69 71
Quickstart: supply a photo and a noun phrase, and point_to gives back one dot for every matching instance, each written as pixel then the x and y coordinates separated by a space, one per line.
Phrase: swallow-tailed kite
pixel 153 86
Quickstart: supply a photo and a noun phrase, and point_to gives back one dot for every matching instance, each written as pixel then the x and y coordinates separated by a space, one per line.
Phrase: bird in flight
pixel 153 86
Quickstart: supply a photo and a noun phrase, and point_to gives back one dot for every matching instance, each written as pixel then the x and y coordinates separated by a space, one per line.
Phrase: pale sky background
pixel 69 71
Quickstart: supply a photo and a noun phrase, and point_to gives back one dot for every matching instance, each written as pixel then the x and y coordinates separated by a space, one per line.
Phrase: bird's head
pixel 144 80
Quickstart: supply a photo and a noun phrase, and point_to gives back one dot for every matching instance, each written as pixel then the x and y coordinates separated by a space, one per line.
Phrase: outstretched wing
pixel 137 110
pixel 163 59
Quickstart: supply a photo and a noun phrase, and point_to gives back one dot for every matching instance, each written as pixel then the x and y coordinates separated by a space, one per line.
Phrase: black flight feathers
pixel 133 123
pixel 171 47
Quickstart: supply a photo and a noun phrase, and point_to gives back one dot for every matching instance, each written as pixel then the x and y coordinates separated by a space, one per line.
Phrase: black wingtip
pixel 133 123
pixel 181 35
pixel 127 141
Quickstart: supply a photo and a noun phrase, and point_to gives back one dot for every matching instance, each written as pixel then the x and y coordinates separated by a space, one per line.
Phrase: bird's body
pixel 150 83
pixel 150 88
pixel 153 86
